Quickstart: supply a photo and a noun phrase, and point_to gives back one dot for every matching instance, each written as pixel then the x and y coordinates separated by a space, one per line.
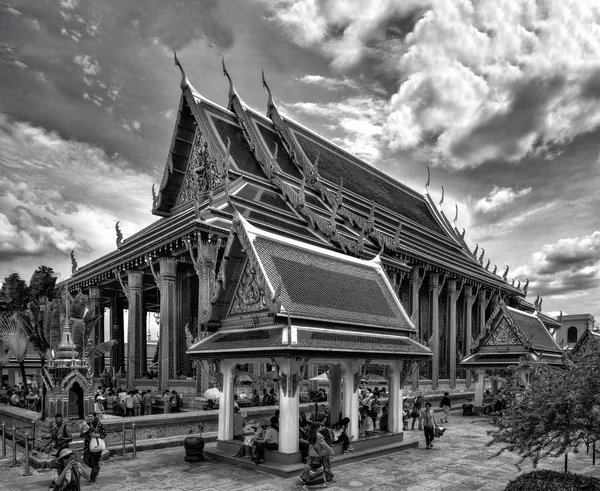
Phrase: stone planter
pixel 194 447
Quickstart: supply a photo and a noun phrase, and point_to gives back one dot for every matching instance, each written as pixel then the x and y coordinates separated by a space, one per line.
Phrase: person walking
pixel 92 428
pixel 429 425
pixel 446 405
pixel 416 412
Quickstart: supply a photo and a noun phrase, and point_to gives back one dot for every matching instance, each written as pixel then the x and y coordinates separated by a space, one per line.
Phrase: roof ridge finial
pixel 185 83
pixel 232 92
pixel 456 214
pixel 428 181
pixel 270 103
pixel 442 200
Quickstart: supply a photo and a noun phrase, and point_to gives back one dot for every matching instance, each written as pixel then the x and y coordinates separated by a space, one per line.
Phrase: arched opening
pixel 76 400
pixel 572 334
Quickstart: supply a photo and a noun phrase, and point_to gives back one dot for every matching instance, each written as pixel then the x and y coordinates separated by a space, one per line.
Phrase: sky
pixel 501 99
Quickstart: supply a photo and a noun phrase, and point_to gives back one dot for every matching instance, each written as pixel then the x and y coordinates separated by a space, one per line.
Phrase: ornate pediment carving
pixel 505 334
pixel 249 296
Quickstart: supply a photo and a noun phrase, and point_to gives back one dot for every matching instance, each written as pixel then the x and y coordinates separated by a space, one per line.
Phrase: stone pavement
pixel 460 461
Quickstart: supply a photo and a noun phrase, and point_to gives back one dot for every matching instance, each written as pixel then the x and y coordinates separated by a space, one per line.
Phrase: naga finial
pixel 495 269
pixel 372 216
pixel 560 316
pixel 154 198
pixel 536 303
pixel 475 251
pixel 302 193
pixel 518 284
pixel 442 200
pixel 540 304
pixel 487 265
pixel 526 286
pixel 270 102
pixel 428 181
pixel 513 282
pixel 456 214
pixel 505 275
pixel 232 92
pixel 462 235
pixel 119 235
pixel 185 83
pixel 73 264
pixel 481 256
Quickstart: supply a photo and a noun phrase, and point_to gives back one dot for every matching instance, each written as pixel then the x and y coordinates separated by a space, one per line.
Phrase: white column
pixel 395 399
pixel 348 369
pixel 289 407
pixel 335 393
pixel 225 428
pixel 479 388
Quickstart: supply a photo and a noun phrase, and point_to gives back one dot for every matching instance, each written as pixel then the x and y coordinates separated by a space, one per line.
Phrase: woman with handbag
pixel 415 414
pixel 317 469
pixel 68 472
pixel 94 434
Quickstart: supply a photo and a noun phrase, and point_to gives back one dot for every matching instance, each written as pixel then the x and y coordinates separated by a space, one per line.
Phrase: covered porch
pixel 292 305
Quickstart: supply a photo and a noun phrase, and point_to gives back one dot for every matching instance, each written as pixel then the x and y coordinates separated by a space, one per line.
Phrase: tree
pixel 558 411
pixel 13 294
pixel 42 283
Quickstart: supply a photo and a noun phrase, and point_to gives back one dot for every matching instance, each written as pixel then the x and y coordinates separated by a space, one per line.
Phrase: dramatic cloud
pixel 58 195
pixel 474 82
pixel 499 197
pixel 569 267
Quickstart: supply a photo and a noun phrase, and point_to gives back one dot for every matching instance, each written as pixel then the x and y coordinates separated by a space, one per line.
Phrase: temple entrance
pixel 76 401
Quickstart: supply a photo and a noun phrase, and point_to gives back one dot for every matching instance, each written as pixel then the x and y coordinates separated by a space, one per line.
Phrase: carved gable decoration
pixel 249 296
pixel 505 334
pixel 203 173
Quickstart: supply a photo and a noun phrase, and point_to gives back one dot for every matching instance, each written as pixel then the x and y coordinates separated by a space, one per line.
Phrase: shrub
pixel 545 480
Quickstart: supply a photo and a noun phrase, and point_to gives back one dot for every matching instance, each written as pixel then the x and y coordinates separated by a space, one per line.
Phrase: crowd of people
pixel 26 396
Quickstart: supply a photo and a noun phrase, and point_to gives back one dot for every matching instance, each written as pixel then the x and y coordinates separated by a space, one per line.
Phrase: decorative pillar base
pixel 194 449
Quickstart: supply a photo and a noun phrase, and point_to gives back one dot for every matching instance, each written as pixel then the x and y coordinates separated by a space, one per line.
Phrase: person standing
pixel 92 428
pixel 429 425
pixel 68 472
pixel 147 398
pixel 166 401
pixel 416 412
pixel 137 403
pixel 446 405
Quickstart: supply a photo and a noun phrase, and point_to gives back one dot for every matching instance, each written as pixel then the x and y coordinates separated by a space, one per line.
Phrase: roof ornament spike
pixel 526 286
pixel 462 235
pixel 481 256
pixel 476 251
pixel 428 181
pixel 119 235
pixel 505 275
pixel 270 103
pixel 536 303
pixel 495 269
pixel 442 200
pixel 487 265
pixel 232 92
pixel 513 282
pixel 455 214
pixel 518 284
pixel 185 83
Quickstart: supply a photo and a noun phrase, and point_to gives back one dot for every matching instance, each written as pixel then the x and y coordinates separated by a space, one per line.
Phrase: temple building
pixel 279 249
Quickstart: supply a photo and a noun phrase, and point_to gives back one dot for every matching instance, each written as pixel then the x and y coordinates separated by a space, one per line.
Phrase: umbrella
pixel 212 394
pixel 324 377
pixel 242 376
pixel 371 377
pixel 272 375
pixel 102 349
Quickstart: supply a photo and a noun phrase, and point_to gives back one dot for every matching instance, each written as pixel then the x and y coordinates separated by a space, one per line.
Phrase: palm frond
pixel 5 354
pixel 13 336
pixel 24 324
pixel 78 306
pixel 55 326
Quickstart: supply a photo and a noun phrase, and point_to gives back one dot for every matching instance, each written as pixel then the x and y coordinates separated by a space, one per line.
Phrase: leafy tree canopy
pixel 558 411
pixel 13 294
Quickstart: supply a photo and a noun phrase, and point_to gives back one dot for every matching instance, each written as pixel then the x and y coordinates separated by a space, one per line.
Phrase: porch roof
pixel 312 341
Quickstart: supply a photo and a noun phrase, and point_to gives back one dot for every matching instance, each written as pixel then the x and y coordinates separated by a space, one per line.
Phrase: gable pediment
pixel 506 333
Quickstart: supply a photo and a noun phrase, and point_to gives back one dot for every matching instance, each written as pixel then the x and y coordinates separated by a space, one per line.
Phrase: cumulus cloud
pixel 356 118
pixel 569 267
pixel 499 197
pixel 474 82
pixel 328 83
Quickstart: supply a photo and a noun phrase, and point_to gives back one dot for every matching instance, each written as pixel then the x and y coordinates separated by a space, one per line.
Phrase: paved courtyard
pixel 459 462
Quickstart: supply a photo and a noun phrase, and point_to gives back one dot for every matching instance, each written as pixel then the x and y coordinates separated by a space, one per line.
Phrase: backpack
pixel 173 402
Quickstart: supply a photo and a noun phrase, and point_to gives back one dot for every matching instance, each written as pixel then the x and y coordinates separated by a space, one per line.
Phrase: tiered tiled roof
pixel 510 335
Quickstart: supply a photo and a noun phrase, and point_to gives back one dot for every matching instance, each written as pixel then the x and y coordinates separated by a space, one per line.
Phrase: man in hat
pixel 68 472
